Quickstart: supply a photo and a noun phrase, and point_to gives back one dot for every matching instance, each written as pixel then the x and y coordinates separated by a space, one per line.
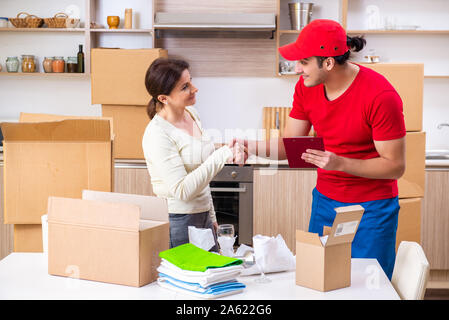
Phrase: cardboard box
pixel 409 221
pixel 28 238
pixel 118 75
pixel 58 158
pixel 129 126
pixel 327 266
pixel 412 183
pixel 408 80
pixel 112 242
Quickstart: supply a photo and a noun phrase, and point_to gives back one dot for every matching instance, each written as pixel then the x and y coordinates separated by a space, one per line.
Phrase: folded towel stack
pixel 191 270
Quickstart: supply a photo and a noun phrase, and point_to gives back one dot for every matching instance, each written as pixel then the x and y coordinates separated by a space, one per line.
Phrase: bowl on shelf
pixel 113 22
pixel 72 23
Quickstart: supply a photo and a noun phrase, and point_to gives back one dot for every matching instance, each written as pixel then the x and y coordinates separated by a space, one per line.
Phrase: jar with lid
pixel 28 64
pixel 72 64
pixel 58 64
pixel 12 64
pixel 47 64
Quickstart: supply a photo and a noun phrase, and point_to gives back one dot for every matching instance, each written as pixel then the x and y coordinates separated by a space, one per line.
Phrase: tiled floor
pixel 437 294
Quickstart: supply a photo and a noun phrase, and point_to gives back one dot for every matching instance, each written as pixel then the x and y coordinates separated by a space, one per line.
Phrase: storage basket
pixel 33 21
pixel 19 22
pixel 58 21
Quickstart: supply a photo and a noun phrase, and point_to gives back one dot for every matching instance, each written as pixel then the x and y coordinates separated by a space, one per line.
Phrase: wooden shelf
pixel 289 31
pixel 42 74
pixel 436 76
pixel 42 29
pixel 122 30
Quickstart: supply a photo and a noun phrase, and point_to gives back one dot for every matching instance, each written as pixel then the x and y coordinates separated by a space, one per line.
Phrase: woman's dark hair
pixel 354 43
pixel 161 78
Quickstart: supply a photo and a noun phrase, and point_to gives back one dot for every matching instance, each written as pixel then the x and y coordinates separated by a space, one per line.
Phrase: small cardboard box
pixel 130 123
pixel 108 240
pixel 57 158
pixel 408 80
pixel 409 221
pixel 327 266
pixel 412 182
pixel 118 75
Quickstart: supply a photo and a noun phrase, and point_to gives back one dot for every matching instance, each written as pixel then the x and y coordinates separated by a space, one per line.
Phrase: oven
pixel 232 194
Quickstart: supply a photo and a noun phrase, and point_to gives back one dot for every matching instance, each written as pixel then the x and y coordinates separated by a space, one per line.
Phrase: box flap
pixel 345 224
pixel 308 237
pixel 46 117
pixel 87 213
pixel 151 208
pixel 64 130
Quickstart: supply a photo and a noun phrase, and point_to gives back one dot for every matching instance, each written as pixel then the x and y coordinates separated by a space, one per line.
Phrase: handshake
pixel 239 150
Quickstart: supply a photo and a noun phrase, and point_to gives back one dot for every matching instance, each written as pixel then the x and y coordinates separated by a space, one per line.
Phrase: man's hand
pixel 323 159
pixel 239 150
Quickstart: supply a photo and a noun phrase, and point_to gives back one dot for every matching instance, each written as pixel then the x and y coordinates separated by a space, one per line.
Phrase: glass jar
pixel 72 64
pixel 58 64
pixel 47 64
pixel 28 64
pixel 12 64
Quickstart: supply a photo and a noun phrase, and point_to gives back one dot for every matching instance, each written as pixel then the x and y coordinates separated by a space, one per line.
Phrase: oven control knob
pixel 234 174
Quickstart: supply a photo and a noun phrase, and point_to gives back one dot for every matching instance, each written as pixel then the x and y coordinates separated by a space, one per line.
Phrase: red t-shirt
pixel 370 109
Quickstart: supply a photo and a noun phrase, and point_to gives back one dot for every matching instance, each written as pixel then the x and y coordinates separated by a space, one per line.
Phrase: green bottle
pixel 80 68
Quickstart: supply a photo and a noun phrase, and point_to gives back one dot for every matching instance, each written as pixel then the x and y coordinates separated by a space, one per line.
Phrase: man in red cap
pixel 359 115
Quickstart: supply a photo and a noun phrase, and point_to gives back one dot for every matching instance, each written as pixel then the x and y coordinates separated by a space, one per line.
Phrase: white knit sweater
pixel 181 166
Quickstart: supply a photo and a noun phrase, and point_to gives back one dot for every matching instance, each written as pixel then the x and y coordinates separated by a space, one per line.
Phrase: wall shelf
pixel 122 30
pixel 42 29
pixel 42 74
pixel 398 31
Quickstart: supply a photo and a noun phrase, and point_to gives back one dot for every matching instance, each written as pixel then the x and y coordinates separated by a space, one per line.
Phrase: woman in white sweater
pixel 180 157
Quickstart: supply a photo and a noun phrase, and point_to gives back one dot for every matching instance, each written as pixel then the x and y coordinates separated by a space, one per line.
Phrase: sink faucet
pixel 441 125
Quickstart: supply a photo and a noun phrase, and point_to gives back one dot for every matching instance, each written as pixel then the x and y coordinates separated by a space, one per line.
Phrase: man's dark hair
pixel 354 43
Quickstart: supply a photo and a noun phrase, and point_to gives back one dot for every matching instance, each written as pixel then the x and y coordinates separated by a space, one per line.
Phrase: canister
pixel 58 64
pixel 47 64
pixel 12 64
pixel 28 63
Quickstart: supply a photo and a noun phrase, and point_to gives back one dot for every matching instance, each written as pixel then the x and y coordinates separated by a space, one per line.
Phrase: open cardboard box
pixel 327 266
pixel 107 237
pixel 53 158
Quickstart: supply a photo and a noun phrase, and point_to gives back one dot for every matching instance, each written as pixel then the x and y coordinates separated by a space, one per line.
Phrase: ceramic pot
pixel 113 22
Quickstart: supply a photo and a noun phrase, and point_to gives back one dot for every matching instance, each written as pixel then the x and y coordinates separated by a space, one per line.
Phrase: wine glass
pixel 260 262
pixel 225 238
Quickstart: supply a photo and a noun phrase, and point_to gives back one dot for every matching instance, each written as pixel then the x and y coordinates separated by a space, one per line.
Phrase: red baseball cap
pixel 321 38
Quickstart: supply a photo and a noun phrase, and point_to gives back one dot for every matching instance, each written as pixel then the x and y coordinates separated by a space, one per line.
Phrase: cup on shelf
pixel 113 22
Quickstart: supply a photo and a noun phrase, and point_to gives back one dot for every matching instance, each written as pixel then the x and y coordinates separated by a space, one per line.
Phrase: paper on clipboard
pixel 296 146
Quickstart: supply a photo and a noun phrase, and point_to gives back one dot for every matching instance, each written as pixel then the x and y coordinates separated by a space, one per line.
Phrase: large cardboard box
pixel 412 183
pixel 118 75
pixel 409 221
pixel 28 238
pixel 129 126
pixel 105 241
pixel 57 158
pixel 408 80
pixel 326 265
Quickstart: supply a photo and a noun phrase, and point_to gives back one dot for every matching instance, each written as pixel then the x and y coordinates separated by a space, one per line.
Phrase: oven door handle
pixel 228 189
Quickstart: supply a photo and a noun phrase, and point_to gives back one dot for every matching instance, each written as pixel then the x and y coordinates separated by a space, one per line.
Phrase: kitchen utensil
pixel 113 22
pixel 300 14
pixel 128 18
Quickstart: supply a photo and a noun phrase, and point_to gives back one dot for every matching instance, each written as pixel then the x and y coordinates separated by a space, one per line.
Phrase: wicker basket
pixel 19 22
pixel 58 21
pixel 34 22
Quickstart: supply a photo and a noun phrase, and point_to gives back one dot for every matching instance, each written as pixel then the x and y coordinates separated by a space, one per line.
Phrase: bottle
pixel 80 57
pixel 128 18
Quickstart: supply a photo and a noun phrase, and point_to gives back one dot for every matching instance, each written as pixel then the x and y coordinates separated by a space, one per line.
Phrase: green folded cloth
pixel 190 257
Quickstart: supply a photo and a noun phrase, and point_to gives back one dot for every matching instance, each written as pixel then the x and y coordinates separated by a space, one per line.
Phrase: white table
pixel 25 276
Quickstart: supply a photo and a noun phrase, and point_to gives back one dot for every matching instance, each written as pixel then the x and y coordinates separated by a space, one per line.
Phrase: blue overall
pixel 376 234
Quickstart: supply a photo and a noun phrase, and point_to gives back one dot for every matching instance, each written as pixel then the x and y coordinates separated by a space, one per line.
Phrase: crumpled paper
pixel 273 253
pixel 202 238
pixel 226 245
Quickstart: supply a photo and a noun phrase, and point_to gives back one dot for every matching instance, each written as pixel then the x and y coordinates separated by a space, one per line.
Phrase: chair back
pixel 411 271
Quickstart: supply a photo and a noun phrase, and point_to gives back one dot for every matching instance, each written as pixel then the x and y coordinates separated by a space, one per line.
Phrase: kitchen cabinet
pixel 132 178
pixel 435 219
pixel 282 199
pixel 64 41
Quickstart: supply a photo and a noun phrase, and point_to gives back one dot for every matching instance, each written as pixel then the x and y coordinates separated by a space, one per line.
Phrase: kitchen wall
pixel 223 102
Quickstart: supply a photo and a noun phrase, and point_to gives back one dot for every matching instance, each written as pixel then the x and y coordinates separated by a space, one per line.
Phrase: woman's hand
pixel 240 152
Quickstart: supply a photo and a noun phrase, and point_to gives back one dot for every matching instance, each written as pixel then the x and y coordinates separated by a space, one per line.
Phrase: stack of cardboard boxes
pixel 118 84
pixel 408 80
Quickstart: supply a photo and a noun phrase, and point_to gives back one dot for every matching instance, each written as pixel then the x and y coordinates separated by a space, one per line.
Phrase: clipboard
pixel 296 146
